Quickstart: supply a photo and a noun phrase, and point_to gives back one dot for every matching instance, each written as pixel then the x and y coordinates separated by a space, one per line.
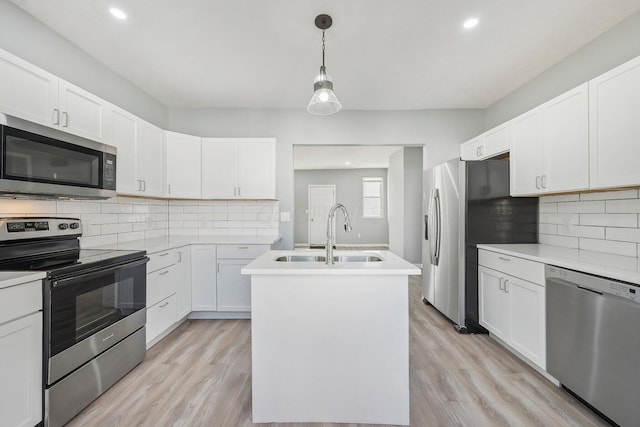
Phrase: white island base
pixel 330 347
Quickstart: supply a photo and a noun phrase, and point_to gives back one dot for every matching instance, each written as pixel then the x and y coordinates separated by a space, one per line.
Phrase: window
pixel 372 197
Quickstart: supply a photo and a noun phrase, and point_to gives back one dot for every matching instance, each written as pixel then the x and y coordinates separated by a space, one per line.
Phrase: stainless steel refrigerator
pixel 466 203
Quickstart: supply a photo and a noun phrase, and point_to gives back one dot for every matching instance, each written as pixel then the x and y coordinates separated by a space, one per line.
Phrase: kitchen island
pixel 330 343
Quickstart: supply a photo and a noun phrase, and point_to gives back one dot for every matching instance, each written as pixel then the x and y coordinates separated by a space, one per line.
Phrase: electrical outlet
pixel 566 225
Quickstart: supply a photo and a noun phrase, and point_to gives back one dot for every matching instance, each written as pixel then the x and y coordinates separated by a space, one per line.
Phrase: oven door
pixel 88 313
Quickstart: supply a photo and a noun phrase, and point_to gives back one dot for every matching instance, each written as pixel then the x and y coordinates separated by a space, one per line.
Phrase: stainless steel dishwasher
pixel 593 341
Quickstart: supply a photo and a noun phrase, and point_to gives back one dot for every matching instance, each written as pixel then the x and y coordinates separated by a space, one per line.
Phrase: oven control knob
pixel 74 225
pixel 63 226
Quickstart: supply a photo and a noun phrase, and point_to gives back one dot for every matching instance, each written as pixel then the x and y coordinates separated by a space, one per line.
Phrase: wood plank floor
pixel 200 375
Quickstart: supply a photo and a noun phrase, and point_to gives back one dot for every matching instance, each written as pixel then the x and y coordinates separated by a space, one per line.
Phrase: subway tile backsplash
pixel 123 219
pixel 602 222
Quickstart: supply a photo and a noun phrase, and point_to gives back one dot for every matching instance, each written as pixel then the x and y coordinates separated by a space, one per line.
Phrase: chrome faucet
pixel 330 237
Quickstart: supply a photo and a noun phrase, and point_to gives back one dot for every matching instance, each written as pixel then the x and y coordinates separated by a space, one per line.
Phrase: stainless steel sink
pixel 357 258
pixel 337 258
pixel 300 258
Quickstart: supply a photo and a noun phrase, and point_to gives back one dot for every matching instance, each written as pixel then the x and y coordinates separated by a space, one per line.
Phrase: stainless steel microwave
pixel 40 162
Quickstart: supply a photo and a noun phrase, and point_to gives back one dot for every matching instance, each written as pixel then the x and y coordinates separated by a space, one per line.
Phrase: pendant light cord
pixel 322 48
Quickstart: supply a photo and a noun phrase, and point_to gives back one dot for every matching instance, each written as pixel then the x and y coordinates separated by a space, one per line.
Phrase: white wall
pixel 440 131
pixel 395 190
pixel 24 36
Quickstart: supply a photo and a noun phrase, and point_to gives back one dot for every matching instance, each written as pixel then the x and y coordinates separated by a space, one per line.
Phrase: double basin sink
pixel 320 258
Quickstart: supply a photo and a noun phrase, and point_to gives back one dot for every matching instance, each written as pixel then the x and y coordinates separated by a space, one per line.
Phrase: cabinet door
pixel 82 113
pixel 151 159
pixel 614 128
pixel 27 91
pixel 183 165
pixel 21 371
pixel 203 278
pixel 492 302
pixel 565 151
pixel 472 150
pixel 219 168
pixel 234 289
pixel 123 134
pixel 183 282
pixel 526 319
pixel 526 153
pixel 256 169
pixel 160 317
pixel 496 141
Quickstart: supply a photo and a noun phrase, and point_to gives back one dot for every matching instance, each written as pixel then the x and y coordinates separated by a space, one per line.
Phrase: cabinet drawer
pixel 160 317
pixel 161 284
pixel 242 251
pixel 20 300
pixel 162 259
pixel 514 266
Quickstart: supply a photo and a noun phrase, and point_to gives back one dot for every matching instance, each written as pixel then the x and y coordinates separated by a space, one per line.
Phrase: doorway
pixel 321 200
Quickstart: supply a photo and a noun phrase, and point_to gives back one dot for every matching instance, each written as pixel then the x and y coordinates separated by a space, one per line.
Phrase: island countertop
pixel 390 264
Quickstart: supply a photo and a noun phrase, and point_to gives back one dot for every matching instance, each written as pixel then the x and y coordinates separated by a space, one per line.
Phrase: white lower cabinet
pixel 234 289
pixel 513 308
pixel 168 291
pixel 21 355
pixel 203 278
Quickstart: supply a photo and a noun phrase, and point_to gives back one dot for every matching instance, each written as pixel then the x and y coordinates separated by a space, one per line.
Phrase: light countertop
pixel 12 278
pixel 157 244
pixel 390 265
pixel 607 265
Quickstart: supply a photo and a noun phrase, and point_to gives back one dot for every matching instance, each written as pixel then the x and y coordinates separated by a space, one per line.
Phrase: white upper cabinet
pixel 491 143
pixel 150 159
pixel 238 168
pixel 27 91
pixel 123 134
pixel 82 113
pixel 550 146
pixel 183 158
pixel 35 95
pixel 614 131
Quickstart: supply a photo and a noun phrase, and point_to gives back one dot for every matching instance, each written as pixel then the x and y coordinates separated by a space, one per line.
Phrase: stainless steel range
pixel 94 309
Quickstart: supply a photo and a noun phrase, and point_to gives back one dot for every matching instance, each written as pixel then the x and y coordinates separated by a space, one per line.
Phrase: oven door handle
pixel 69 279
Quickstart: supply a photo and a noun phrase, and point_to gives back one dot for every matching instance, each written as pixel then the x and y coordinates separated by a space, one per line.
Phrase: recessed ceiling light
pixel 470 23
pixel 347 163
pixel 118 13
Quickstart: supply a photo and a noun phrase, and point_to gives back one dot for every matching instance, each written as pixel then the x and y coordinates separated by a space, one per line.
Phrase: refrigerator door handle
pixel 439 225
pixel 430 228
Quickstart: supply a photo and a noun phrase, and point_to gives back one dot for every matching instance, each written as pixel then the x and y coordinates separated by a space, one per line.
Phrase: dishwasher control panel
pixel 600 285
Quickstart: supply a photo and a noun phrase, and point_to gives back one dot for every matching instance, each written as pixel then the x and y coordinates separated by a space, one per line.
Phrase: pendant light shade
pixel 324 101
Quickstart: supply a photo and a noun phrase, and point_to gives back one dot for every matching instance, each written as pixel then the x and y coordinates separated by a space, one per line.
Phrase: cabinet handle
pixel 169 188
pixel 139 185
pixel 504 259
pixel 506 286
pixel 164 254
pixel 179 256
pixel 65 119
pixel 544 181
pixel 164 305
pixel 144 185
pixel 243 247
pixel 218 267
pixel 239 193
pixel 478 153
pixel 56 116
pixel 537 182
pixel 501 284
pixel 163 273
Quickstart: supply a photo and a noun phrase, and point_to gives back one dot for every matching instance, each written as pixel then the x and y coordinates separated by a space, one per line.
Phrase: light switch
pixel 285 216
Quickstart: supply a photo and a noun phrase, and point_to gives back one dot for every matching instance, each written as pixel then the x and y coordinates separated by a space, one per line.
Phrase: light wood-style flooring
pixel 200 375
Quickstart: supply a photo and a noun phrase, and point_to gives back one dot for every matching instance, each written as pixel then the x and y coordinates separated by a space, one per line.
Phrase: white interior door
pixel 321 200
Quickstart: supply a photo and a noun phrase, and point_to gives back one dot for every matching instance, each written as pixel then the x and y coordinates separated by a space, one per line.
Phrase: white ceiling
pixel 337 156
pixel 382 55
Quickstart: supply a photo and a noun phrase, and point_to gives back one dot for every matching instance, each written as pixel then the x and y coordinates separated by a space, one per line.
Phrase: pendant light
pixel 323 101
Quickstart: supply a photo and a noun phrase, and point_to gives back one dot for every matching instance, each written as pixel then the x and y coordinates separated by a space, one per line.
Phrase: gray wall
pixel 348 184
pixel 440 131
pixel 405 204
pixel 613 48
pixel 29 39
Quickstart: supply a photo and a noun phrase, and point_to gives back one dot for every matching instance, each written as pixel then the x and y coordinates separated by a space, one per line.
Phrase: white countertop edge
pixel 13 278
pixel 392 265
pixel 158 244
pixel 612 266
